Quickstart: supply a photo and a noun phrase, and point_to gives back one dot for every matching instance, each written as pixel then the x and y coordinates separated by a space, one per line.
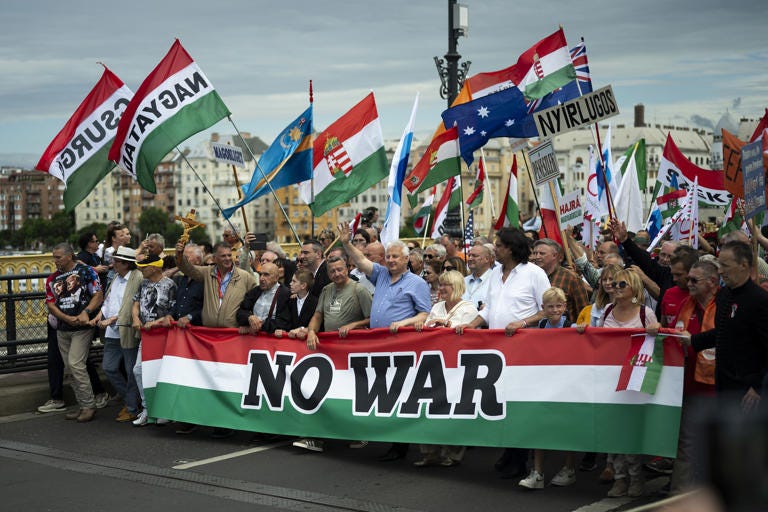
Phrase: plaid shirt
pixel 573 287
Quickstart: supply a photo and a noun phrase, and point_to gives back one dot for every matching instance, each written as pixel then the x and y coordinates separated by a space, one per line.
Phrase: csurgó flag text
pixel 174 102
pixel 78 154
pixel 478 389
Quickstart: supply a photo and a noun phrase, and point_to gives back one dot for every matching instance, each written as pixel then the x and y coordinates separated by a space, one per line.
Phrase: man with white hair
pixel 479 263
pixel 401 298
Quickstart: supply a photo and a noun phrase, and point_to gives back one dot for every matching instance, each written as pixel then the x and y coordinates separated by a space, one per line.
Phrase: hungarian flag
pixel 450 199
pixel 78 154
pixel 545 66
pixel 642 364
pixel 476 199
pixel 440 161
pixel 550 227
pixel 421 218
pixel 348 159
pixel 732 218
pixel 173 103
pixel 510 214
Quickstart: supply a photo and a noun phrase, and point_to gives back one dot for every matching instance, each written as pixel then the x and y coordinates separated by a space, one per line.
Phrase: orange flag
pixel 734 181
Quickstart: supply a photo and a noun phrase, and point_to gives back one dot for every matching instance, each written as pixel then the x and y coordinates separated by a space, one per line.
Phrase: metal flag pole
pixel 426 228
pixel 205 187
pixel 312 179
pixel 488 181
pixel 263 175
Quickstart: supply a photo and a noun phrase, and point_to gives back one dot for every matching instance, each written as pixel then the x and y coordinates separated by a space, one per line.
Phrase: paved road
pixel 47 463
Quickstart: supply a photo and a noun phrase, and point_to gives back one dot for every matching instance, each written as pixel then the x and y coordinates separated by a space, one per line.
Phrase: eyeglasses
pixel 695 279
pixel 447 268
pixel 618 284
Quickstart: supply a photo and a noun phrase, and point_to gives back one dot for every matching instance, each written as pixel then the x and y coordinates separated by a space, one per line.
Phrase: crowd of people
pixel 714 299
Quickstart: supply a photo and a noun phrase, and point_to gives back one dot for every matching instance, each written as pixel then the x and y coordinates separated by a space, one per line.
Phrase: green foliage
pixel 97 227
pixel 200 235
pixel 153 220
pixel 38 233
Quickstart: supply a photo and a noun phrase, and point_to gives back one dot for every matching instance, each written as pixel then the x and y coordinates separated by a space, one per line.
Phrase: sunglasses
pixel 619 284
pixel 446 268
pixel 428 256
pixel 695 279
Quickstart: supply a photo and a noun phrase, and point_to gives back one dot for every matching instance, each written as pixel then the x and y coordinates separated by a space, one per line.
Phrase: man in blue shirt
pixel 401 298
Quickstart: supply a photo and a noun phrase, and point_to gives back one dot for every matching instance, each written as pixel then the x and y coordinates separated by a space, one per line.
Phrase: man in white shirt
pixel 515 291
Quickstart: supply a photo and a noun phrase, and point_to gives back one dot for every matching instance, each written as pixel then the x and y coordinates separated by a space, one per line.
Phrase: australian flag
pixel 506 113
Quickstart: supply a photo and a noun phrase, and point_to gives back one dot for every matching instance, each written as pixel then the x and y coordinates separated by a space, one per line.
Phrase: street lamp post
pixel 452 75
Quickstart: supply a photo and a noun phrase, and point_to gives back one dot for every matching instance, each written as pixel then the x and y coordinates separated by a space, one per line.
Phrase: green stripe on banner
pixel 86 177
pixel 605 428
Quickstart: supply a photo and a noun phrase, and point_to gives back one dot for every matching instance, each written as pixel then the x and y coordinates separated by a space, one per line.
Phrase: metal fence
pixel 24 323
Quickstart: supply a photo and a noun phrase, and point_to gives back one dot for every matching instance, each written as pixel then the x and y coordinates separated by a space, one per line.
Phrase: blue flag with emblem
pixel 286 162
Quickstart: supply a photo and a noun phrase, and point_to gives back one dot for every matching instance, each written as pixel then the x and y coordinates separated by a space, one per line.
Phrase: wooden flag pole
pixel 240 198
pixel 533 188
pixel 557 217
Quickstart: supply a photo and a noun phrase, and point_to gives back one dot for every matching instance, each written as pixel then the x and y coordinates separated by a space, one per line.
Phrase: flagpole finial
pixel 99 62
pixel 311 93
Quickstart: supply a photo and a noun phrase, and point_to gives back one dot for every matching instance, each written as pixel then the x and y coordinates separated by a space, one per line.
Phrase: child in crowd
pixel 554 306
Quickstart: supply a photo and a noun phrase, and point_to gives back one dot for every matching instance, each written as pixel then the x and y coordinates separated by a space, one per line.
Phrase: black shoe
pixel 511 472
pixel 264 438
pixel 184 429
pixel 504 461
pixel 222 433
pixel 589 462
pixel 394 453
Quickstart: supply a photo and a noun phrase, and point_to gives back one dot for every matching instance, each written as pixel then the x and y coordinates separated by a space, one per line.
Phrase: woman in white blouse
pixel 449 310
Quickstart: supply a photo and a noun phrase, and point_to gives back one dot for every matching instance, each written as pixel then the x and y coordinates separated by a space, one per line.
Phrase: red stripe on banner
pixel 707 178
pixel 346 126
pixel 528 347
pixel 174 61
pixel 104 88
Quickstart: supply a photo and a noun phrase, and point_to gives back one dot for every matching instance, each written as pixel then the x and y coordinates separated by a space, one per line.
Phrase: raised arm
pixel 355 255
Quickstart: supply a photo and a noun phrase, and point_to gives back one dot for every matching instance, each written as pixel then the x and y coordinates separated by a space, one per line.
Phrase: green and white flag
pixel 173 103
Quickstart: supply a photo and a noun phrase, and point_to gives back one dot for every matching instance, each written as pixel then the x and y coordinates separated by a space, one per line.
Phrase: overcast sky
pixel 682 59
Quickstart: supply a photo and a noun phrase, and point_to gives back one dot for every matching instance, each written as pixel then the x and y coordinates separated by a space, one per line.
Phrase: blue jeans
pixel 113 356
pixel 132 400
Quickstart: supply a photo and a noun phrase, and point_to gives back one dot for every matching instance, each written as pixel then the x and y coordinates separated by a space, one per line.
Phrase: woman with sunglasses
pixel 455 263
pixel 628 310
pixel 431 273
pixel 592 314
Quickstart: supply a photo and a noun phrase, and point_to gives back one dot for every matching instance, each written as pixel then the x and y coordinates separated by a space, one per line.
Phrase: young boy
pixel 300 308
pixel 554 306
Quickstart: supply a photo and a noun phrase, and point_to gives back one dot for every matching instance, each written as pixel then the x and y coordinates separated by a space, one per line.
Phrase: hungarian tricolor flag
pixel 173 103
pixel 642 364
pixel 421 217
pixel 510 214
pixel 78 154
pixel 544 67
pixel 440 161
pixel 476 199
pixel 450 199
pixel 348 159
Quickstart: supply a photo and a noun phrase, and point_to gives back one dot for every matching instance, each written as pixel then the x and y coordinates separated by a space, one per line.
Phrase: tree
pixel 153 220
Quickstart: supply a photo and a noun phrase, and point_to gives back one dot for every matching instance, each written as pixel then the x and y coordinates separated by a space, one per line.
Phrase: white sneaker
pixel 313 445
pixel 566 476
pixel 162 421
pixel 533 481
pixel 52 406
pixel 141 420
